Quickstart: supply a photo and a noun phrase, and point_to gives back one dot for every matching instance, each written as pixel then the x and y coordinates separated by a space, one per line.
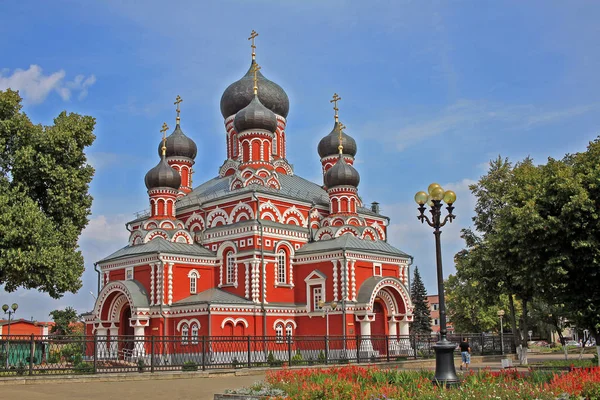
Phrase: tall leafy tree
pixel 421 313
pixel 64 321
pixel 44 183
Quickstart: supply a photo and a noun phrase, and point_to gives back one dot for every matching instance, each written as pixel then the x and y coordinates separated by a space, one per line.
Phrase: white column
pixel 113 347
pixel 353 278
pixel 365 330
pixel 335 280
pixel 170 298
pixel 152 265
pixel 393 326
pixel 264 280
pixel 404 328
pixel 102 348
pixel 139 350
pixel 247 280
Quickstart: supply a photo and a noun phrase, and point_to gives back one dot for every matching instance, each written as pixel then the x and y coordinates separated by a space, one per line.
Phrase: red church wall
pixel 117 275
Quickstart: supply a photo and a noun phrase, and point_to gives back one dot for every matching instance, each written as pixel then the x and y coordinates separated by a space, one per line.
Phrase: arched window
pixel 195 334
pixel 289 330
pixel 193 282
pixel 230 267
pixel 279 333
pixel 184 334
pixel 281 266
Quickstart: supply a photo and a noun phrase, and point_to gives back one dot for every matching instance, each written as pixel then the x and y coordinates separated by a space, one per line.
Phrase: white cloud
pixel 35 86
pixel 107 229
pixel 467 116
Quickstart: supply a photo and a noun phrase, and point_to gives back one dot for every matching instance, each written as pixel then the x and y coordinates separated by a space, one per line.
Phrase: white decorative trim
pixel 335 280
pixel 353 279
pixel 189 323
pixel 170 298
pixel 285 323
pixel 313 279
pixel 247 281
pixel 234 322
pixel 152 284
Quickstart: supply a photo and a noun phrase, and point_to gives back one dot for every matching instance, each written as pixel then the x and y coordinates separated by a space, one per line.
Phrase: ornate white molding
pixel 353 279
pixel 335 280
pixel 247 281
pixel 170 298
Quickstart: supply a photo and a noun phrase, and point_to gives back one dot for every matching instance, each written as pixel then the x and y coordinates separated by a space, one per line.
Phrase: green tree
pixel 567 207
pixel 421 324
pixel 44 183
pixel 64 321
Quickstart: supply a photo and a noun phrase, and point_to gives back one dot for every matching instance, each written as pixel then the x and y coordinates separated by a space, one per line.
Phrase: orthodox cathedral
pixel 257 250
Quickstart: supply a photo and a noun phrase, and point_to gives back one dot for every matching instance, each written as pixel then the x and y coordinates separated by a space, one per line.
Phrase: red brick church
pixel 257 250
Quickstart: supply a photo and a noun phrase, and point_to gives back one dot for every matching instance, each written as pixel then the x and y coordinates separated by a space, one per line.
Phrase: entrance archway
pixel 379 326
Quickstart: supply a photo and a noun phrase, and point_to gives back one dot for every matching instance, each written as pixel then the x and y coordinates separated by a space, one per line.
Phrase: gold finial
pixel 255 69
pixel 336 98
pixel 252 36
pixel 341 147
pixel 164 130
pixel 177 101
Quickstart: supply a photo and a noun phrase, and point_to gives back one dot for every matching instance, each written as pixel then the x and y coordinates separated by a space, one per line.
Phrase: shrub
pixel 189 366
pixel 141 365
pixel 21 368
pixel 28 359
pixel 297 358
pixel 235 362
pixel 71 351
pixel 84 368
pixel 272 361
pixel 321 357
pixel 54 357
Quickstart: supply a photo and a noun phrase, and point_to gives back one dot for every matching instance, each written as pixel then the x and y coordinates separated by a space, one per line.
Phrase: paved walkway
pixel 201 388
pixel 180 389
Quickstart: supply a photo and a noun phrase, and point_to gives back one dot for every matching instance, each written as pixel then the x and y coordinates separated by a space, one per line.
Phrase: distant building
pixel 434 307
pixel 25 327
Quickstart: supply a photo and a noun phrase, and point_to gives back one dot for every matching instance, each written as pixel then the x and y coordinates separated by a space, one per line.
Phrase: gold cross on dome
pixel 178 100
pixel 252 36
pixel 342 127
pixel 255 69
pixel 336 98
pixel 164 130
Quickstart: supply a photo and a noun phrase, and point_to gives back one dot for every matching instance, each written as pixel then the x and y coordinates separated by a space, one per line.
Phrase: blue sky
pixel 431 91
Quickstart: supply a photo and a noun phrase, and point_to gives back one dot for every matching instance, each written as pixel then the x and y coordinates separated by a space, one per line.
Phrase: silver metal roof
pixel 350 242
pixel 212 296
pixel 160 245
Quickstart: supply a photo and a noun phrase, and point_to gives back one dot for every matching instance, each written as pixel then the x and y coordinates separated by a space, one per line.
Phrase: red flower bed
pixel 359 383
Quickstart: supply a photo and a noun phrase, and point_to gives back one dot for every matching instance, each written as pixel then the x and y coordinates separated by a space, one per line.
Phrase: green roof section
pixel 350 242
pixel 160 245
pixel 213 296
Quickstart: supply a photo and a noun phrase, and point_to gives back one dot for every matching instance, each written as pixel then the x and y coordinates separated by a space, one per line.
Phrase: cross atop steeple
pixel 177 101
pixel 252 36
pixel 336 98
pixel 341 147
pixel 255 69
pixel 164 130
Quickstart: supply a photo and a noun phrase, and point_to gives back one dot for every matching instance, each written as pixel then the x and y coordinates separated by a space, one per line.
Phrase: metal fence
pixel 33 355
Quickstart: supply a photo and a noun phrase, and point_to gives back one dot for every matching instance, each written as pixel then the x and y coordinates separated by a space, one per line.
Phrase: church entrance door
pixel 127 343
pixel 379 326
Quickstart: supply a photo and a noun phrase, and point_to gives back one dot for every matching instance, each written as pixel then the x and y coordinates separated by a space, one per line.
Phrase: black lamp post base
pixel 445 373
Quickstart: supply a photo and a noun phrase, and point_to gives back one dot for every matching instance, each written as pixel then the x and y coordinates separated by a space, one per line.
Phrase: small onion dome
pixel 162 176
pixel 255 116
pixel 239 94
pixel 328 146
pixel 179 145
pixel 342 174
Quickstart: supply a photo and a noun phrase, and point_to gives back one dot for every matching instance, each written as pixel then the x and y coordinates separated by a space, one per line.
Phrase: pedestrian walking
pixel 465 354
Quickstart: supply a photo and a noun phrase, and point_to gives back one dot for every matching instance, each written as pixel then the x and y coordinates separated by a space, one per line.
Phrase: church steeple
pixel 181 151
pixel 328 146
pixel 163 184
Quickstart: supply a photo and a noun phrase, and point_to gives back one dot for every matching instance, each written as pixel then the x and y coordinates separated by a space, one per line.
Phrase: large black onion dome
pixel 179 145
pixel 255 116
pixel 162 176
pixel 328 146
pixel 342 174
pixel 239 94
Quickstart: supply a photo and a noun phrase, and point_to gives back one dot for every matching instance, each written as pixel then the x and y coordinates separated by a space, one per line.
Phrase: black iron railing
pixel 35 355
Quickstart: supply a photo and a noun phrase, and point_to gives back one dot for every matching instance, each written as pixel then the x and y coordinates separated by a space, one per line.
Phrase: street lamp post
pixel 326 309
pixel 10 311
pixel 501 314
pixel 445 373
